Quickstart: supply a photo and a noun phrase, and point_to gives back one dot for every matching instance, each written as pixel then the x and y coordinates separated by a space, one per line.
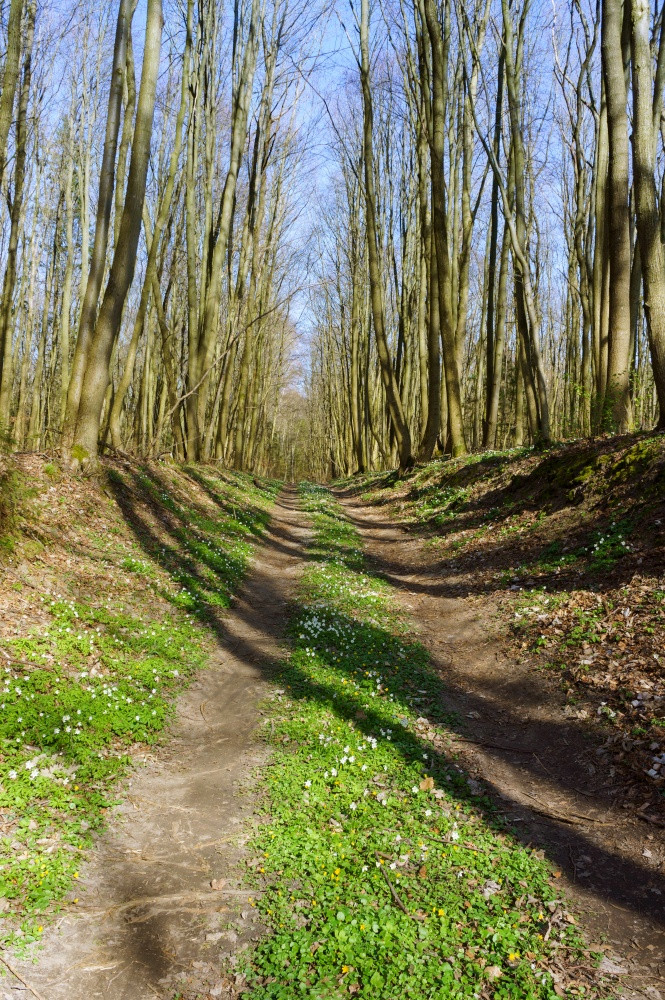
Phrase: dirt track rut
pixel 539 765
pixel 147 919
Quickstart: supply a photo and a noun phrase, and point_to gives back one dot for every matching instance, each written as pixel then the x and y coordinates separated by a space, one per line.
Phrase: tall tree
pixel 390 384
pixel 647 105
pixel 617 409
pixel 107 327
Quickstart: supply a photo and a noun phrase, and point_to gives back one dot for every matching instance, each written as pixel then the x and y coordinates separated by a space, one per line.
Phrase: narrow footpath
pixel 161 902
pixel 538 764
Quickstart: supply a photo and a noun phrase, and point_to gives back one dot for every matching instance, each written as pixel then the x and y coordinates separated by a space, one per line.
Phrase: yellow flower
pixel 362 927
pixel 441 913
pixel 345 969
pixel 513 956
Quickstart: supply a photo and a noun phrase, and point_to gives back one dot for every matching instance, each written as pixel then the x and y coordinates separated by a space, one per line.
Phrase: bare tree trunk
pixel 391 388
pixel 96 376
pixel 499 343
pixel 600 267
pixel 10 78
pixel 7 371
pixel 154 241
pixel 69 267
pixel 652 254
pixel 206 334
pixel 617 408
pixel 493 377
pixel 527 312
pixel 441 237
pixel 104 205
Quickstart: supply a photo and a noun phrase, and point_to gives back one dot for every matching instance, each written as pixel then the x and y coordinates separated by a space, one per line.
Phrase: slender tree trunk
pixel 617 408
pixel 391 388
pixel 527 312
pixel 209 319
pixel 600 267
pixel 493 383
pixel 65 317
pixel 16 215
pixel 96 377
pixel 652 253
pixel 104 205
pixel 10 78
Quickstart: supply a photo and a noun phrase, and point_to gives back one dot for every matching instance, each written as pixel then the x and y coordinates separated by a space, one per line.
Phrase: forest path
pixel 539 765
pixel 148 920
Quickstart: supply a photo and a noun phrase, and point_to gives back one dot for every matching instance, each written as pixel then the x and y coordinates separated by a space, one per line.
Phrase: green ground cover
pixel 384 871
pixel 96 679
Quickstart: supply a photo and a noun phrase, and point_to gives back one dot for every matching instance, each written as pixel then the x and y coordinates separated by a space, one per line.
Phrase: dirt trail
pixel 540 766
pixel 147 918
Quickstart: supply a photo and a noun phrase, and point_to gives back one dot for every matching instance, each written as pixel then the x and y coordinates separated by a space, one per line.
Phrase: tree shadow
pixel 538 527
pixel 613 878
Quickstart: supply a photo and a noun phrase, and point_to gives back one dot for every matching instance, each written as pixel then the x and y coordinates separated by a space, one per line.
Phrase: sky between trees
pixel 314 238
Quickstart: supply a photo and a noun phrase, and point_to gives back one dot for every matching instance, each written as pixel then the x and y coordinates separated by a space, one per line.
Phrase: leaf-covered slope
pixel 569 547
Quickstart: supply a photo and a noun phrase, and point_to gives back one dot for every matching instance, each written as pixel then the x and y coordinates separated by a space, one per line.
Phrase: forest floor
pixel 537 583
pixel 388 766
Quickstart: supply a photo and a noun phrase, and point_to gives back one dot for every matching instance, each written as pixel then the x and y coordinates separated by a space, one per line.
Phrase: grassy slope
pixel 88 666
pixel 382 872
pixel 569 546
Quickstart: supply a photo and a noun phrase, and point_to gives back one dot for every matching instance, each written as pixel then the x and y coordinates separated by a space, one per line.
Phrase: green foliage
pixel 138 566
pixel 384 872
pixel 553 556
pixel 65 731
pixel 608 546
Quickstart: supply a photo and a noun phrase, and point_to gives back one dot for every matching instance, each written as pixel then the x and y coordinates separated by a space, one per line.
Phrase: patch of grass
pixel 383 870
pixel 208 553
pixel 608 546
pixel 138 566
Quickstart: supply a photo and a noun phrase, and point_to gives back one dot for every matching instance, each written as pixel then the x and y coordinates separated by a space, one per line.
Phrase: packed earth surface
pixel 390 736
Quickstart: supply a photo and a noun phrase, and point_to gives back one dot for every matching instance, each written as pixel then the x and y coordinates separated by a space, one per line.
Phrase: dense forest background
pixel 301 238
